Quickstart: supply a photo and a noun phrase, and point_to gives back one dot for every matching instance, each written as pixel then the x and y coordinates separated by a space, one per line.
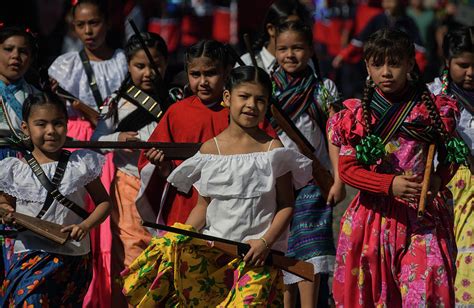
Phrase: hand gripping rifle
pixel 46 229
pixel 89 113
pixel 301 269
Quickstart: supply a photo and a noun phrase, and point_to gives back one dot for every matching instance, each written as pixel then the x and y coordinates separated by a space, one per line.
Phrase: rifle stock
pixel 46 229
pixel 299 268
pixel 321 175
pixel 426 180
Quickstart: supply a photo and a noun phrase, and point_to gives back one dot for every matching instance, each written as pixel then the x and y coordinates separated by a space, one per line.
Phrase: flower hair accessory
pixel 74 2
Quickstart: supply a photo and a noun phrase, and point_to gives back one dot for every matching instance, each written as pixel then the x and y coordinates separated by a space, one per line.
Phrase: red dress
pixel 385 254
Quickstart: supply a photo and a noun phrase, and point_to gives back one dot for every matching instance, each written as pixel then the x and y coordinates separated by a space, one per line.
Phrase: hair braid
pixel 368 93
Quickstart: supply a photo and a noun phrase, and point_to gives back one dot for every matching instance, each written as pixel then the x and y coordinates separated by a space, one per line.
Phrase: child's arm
pixel 7 203
pixel 337 193
pixel 197 217
pixel 285 201
pixel 103 207
pixel 157 158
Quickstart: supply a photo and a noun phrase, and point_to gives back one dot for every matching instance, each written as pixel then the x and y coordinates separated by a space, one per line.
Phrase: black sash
pixel 52 189
pixel 135 121
pixel 143 101
pixel 91 78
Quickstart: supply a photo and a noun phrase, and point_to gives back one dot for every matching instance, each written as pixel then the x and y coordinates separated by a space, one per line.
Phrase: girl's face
pixel 47 128
pixel 206 79
pixel 292 51
pixel 15 58
pixel 461 70
pixel 247 104
pixel 141 70
pixel 390 77
pixel 90 26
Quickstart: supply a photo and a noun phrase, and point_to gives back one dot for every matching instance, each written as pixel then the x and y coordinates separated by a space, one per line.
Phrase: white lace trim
pixel 322 264
pixel 20 182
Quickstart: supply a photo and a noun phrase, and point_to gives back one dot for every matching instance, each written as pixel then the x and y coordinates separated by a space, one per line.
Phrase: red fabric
pixel 353 174
pixel 186 121
pixel 329 34
pixel 221 25
pixel 168 29
pixel 363 15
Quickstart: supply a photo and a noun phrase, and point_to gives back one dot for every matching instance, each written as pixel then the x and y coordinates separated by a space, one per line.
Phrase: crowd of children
pixel 266 128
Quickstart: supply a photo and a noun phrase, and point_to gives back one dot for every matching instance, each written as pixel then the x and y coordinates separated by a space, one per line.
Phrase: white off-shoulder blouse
pixel 242 190
pixel 18 180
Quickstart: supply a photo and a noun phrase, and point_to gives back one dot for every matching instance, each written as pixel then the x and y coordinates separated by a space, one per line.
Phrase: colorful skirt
pixel 462 187
pixel 42 279
pixel 388 257
pixel 311 238
pixel 178 271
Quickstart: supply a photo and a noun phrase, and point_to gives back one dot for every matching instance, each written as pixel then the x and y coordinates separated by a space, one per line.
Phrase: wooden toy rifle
pixel 88 112
pixel 46 229
pixel 301 269
pixel 426 180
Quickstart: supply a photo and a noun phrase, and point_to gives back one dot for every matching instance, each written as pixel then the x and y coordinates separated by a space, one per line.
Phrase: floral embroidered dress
pixel 42 273
pixel 386 256
pixel 462 187
pixel 177 270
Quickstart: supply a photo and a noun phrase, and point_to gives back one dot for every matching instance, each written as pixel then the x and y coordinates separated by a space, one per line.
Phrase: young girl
pixel 303 95
pixel 108 68
pixel 279 12
pixel 197 118
pixel 41 272
pixel 386 254
pixel 123 119
pixel 245 194
pixel 458 82
pixel 17 51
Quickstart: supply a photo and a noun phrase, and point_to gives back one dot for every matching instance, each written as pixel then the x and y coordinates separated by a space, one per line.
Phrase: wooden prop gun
pixel 89 113
pixel 46 229
pixel 172 151
pixel 301 269
pixel 426 180
pixel 321 175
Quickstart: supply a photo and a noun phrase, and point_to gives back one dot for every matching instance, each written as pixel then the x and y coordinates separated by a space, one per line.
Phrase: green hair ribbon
pixel 457 151
pixel 370 149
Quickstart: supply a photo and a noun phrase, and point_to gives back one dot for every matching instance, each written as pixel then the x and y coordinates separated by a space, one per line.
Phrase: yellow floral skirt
pixel 179 271
pixel 462 187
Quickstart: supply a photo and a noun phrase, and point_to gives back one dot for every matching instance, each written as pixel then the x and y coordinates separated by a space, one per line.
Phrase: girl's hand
pixel 337 193
pixel 257 254
pixel 78 232
pixel 337 61
pixel 8 217
pixel 406 187
pixel 156 157
pixel 435 185
pixel 128 136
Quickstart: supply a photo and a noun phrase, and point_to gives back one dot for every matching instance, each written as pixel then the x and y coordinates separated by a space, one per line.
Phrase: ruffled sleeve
pixel 347 126
pixel 448 111
pixel 289 160
pixel 19 181
pixel 65 70
pixel 189 172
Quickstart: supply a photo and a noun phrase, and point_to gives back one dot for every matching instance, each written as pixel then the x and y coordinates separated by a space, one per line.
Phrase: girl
pixel 123 119
pixel 458 82
pixel 231 206
pixel 195 119
pixel 386 254
pixel 42 273
pixel 304 95
pixel 91 75
pixel 17 51
pixel 279 12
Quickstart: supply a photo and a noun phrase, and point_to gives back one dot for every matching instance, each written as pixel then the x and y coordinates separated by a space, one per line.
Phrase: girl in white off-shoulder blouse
pixel 245 182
